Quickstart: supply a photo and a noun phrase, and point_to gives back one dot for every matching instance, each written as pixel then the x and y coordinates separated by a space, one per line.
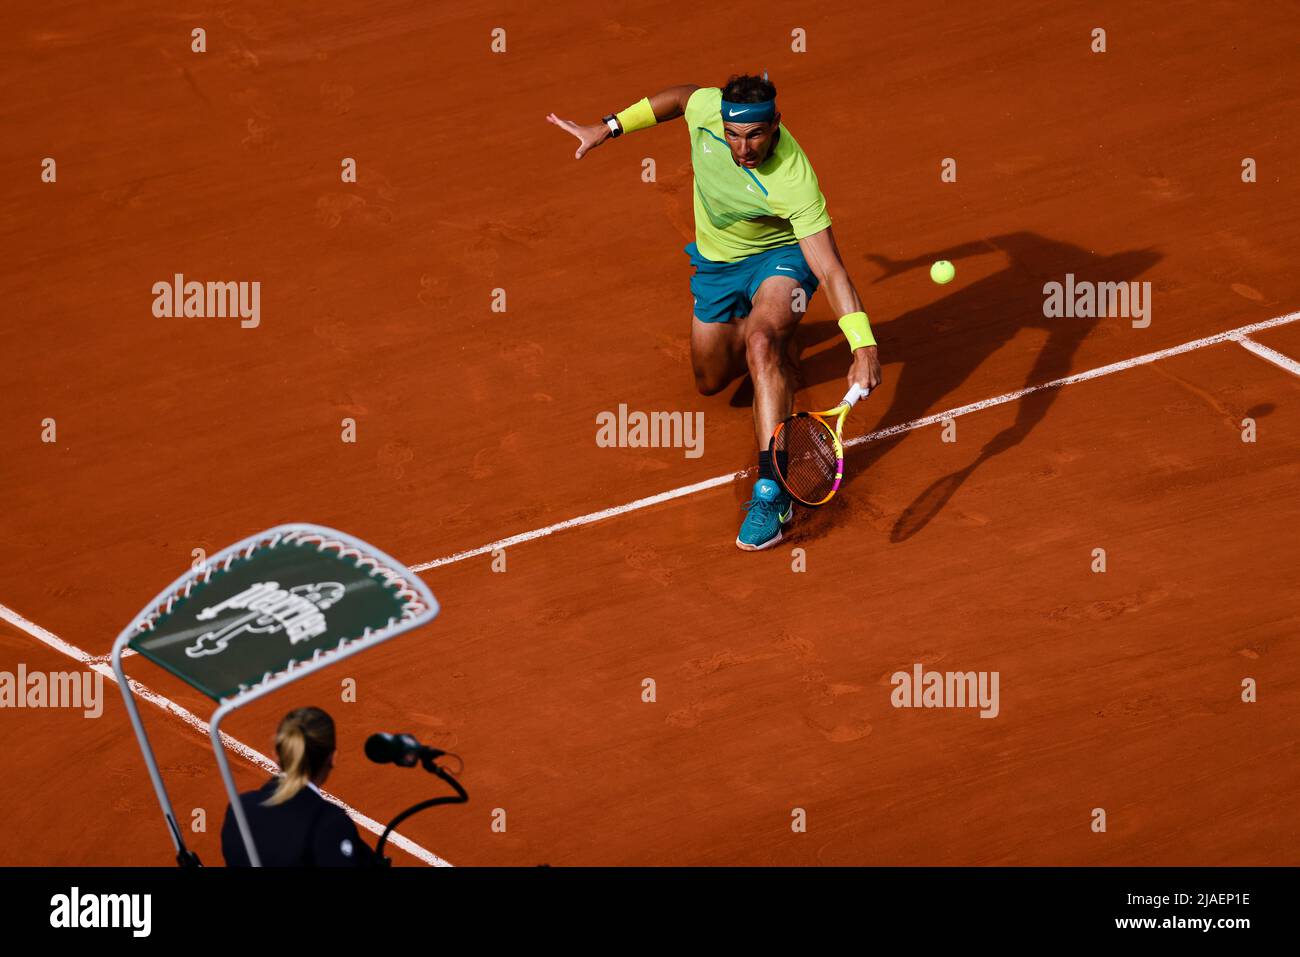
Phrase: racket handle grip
pixel 854 394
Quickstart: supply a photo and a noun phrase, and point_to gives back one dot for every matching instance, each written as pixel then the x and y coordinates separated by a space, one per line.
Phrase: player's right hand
pixel 589 137
pixel 865 370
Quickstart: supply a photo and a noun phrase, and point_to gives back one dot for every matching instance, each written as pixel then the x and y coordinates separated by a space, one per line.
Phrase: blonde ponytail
pixel 303 742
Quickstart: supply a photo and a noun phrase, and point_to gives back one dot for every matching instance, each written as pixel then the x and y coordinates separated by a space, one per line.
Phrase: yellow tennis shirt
pixel 739 211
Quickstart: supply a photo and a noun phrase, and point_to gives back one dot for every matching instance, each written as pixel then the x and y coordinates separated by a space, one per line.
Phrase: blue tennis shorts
pixel 724 290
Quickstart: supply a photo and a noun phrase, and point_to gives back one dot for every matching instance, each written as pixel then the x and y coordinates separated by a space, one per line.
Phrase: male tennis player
pixel 761 231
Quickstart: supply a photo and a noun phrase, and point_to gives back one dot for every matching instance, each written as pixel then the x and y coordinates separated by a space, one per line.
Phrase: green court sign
pixel 261 614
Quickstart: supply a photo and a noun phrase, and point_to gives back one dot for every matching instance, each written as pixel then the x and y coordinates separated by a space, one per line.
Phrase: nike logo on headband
pixel 737 112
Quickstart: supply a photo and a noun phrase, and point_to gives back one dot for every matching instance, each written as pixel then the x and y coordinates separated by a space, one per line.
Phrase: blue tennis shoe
pixel 765 513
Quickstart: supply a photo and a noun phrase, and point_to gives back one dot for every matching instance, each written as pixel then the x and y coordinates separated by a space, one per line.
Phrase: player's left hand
pixel 865 371
pixel 589 137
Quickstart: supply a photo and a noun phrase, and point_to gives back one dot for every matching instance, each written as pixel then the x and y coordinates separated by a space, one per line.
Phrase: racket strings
pixel 810 467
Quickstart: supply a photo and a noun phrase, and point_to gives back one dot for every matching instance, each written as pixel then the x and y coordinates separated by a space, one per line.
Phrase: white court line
pixel 1270 355
pixel 99 663
pixel 1235 335
pixel 582 520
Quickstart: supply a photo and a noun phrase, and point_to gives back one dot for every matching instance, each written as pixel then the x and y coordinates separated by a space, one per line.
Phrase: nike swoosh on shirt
pixel 786 268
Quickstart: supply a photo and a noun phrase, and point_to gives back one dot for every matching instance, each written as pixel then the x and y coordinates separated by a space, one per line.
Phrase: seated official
pixel 291 823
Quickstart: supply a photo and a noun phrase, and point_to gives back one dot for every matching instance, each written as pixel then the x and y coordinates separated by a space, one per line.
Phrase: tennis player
pixel 761 233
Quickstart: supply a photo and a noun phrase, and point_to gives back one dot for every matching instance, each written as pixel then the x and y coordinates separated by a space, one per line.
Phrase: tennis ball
pixel 942 272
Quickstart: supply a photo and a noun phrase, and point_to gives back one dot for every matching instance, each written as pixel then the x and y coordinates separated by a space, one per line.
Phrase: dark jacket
pixel 304 831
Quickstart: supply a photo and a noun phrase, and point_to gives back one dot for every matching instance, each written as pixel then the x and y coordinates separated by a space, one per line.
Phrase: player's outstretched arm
pixel 824 259
pixel 665 105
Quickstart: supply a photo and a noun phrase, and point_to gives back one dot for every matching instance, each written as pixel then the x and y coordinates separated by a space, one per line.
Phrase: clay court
pixel 1120 690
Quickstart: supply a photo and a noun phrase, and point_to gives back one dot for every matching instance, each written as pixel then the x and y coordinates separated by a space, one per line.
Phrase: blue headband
pixel 748 112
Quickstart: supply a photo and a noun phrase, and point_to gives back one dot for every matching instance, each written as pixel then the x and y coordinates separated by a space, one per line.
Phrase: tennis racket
pixel 808 451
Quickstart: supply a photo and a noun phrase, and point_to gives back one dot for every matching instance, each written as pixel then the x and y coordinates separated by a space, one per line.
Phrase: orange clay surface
pixel 1119 691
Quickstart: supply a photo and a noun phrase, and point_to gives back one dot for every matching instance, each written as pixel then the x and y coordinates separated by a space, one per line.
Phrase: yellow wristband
pixel 857 330
pixel 638 116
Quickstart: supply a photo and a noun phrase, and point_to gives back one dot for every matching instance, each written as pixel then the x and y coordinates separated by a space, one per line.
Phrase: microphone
pixel 400 749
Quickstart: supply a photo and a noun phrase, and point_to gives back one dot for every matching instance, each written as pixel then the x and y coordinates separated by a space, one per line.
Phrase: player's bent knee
pixel 709 384
pixel 763 347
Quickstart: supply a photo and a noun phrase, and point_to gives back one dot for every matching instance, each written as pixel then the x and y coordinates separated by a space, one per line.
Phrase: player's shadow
pixel 932 350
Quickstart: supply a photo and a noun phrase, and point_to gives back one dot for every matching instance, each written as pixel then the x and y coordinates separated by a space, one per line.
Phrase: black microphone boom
pixel 404 751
